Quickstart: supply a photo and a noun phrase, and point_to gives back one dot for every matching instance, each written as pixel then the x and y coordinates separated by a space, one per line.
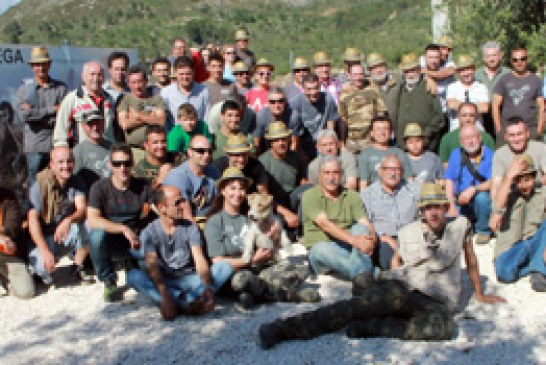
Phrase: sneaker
pixel 538 282
pixel 78 273
pixel 111 292
pixel 269 335
pixel 482 238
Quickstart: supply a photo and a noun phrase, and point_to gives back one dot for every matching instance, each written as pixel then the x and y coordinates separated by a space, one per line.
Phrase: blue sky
pixel 5 4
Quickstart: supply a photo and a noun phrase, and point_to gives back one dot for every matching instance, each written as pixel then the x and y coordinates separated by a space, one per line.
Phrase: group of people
pixel 386 177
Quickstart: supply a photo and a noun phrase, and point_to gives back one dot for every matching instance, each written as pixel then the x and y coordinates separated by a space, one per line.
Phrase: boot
pixel 270 334
pixel 361 283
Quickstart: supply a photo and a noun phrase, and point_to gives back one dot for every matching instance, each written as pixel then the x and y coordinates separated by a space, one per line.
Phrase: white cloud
pixel 6 4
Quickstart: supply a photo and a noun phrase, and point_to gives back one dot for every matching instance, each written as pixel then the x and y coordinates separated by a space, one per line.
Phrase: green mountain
pixel 277 27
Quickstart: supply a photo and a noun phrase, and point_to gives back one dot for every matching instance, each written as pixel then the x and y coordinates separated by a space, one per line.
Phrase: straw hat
pixel 39 55
pixel 237 143
pixel 277 130
pixel 529 165
pixel 375 59
pixel 300 63
pixel 239 66
pixel 321 58
pixel 241 34
pixel 409 61
pixel 352 55
pixel 413 130
pixel 263 62
pixel 432 194
pixel 464 61
pixel 232 173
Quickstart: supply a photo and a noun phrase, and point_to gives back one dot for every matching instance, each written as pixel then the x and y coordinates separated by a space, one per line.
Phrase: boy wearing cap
pixel 411 302
pixel 426 165
pixel 37 101
pixel 520 248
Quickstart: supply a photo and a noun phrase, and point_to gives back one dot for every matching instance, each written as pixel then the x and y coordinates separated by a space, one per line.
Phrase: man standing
pixel 177 276
pixel 241 45
pixel 440 70
pixel 323 69
pixel 56 215
pixel 312 111
pixel 414 103
pixel 519 94
pixel 492 70
pixel 351 58
pixel 180 49
pixel 38 100
pixel 466 89
pixel 300 69
pixel 186 90
pixel 117 208
pixel 382 79
pixel 358 104
pixel 116 86
pixel 219 89
pixel 336 228
pixel 520 248
pixel 412 302
pixel 468 181
pixel 137 110
pixel 161 72
pixel 88 97
pixel 277 110
pixel 242 77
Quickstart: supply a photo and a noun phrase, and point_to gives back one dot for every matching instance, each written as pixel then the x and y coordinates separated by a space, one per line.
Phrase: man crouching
pixel 173 253
pixel 412 302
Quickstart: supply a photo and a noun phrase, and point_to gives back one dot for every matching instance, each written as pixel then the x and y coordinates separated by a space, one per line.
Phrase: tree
pixel 13 32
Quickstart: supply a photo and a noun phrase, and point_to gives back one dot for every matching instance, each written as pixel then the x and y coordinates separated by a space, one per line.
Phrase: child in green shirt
pixel 186 127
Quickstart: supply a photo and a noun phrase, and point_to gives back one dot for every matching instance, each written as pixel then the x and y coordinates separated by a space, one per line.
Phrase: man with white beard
pixel 382 79
pixel 468 181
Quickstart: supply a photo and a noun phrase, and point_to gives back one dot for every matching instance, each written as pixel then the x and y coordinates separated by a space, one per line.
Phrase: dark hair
pixel 117 55
pixel 154 129
pixel 381 117
pixel 519 47
pixel 432 47
pixel 218 204
pixel 183 61
pixel 161 60
pixel 311 77
pixel 467 103
pixel 230 105
pixel 515 120
pixel 215 56
pixel 121 147
pixel 137 69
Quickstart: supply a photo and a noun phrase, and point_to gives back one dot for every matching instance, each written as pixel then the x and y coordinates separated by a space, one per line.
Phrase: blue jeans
pixel 185 289
pixel 104 248
pixel 341 257
pixel 479 211
pixel 523 258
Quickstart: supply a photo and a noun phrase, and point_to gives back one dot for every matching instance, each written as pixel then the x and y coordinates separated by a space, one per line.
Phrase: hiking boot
pixel 244 301
pixel 269 335
pixel 245 281
pixel 482 238
pixel 361 283
pixel 308 295
pixel 111 292
pixel 538 282
pixel 363 329
pixel 78 273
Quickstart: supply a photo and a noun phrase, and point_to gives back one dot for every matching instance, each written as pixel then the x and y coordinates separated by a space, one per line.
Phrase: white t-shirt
pixel 477 93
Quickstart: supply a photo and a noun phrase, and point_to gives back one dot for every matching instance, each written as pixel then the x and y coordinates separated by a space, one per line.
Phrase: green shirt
pixel 146 170
pixel 137 135
pixel 178 139
pixel 284 175
pixel 451 142
pixel 344 212
pixel 481 76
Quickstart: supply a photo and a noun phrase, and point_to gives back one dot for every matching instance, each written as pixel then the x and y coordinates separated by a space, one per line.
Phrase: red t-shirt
pixel 256 99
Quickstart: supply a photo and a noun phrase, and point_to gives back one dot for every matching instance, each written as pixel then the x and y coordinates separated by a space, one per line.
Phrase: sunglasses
pixel 119 163
pixel 202 150
pixel 230 52
pixel 519 59
pixel 301 70
pixel 240 73
pixel 265 73
pixel 276 101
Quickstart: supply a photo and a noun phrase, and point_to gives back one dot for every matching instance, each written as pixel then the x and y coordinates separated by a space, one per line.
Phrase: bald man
pixel 56 215
pixel 89 97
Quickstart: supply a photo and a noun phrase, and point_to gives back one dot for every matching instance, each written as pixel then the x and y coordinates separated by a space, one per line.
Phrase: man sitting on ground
pixel 177 275
pixel 157 163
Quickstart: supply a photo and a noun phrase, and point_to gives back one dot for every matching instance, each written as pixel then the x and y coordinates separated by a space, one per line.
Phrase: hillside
pixel 276 26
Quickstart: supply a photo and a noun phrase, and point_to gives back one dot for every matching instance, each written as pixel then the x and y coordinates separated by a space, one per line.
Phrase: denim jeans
pixel 478 211
pixel 185 289
pixel 523 258
pixel 340 257
pixel 76 239
pixel 104 248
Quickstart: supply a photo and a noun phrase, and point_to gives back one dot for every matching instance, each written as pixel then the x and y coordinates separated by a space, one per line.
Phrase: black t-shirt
pixel 253 169
pixel 121 206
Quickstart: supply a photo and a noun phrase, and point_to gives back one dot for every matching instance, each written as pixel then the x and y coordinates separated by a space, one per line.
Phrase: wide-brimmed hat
pixel 464 61
pixel 375 59
pixel 432 194
pixel 529 164
pixel 321 58
pixel 264 62
pixel 300 63
pixel 239 66
pixel 409 61
pixel 413 130
pixel 445 41
pixel 241 34
pixel 232 173
pixel 39 55
pixel 92 116
pixel 277 130
pixel 352 55
pixel 237 143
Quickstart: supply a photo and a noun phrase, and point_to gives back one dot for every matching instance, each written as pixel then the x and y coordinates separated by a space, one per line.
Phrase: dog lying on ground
pixel 264 231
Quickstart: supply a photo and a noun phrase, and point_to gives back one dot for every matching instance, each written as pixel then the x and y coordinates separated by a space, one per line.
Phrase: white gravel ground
pixel 72 325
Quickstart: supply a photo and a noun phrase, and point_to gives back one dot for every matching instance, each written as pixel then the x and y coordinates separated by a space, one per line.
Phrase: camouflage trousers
pixel 267 282
pixel 387 309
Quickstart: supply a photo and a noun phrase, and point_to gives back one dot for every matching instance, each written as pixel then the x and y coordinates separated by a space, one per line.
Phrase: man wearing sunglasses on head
pixel 519 93
pixel 195 179
pixel 118 208
pixel 277 109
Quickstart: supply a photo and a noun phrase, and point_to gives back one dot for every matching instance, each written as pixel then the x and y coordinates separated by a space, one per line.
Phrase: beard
pixel 380 78
pixel 410 81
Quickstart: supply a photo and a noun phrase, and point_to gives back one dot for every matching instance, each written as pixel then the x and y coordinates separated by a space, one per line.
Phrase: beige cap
pixel 232 173
pixel 409 61
pixel 241 34
pixel 263 62
pixel 529 164
pixel 352 55
pixel 237 143
pixel 432 194
pixel 464 61
pixel 321 58
pixel 374 59
pixel 239 66
pixel 277 130
pixel 413 130
pixel 300 63
pixel 39 55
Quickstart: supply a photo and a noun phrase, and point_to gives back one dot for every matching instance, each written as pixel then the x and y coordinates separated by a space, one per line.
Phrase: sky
pixel 6 4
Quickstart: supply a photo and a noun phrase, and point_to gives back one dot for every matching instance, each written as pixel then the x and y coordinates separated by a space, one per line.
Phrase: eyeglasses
pixel 519 59
pixel 202 150
pixel 240 73
pixel 265 73
pixel 277 101
pixel 119 163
